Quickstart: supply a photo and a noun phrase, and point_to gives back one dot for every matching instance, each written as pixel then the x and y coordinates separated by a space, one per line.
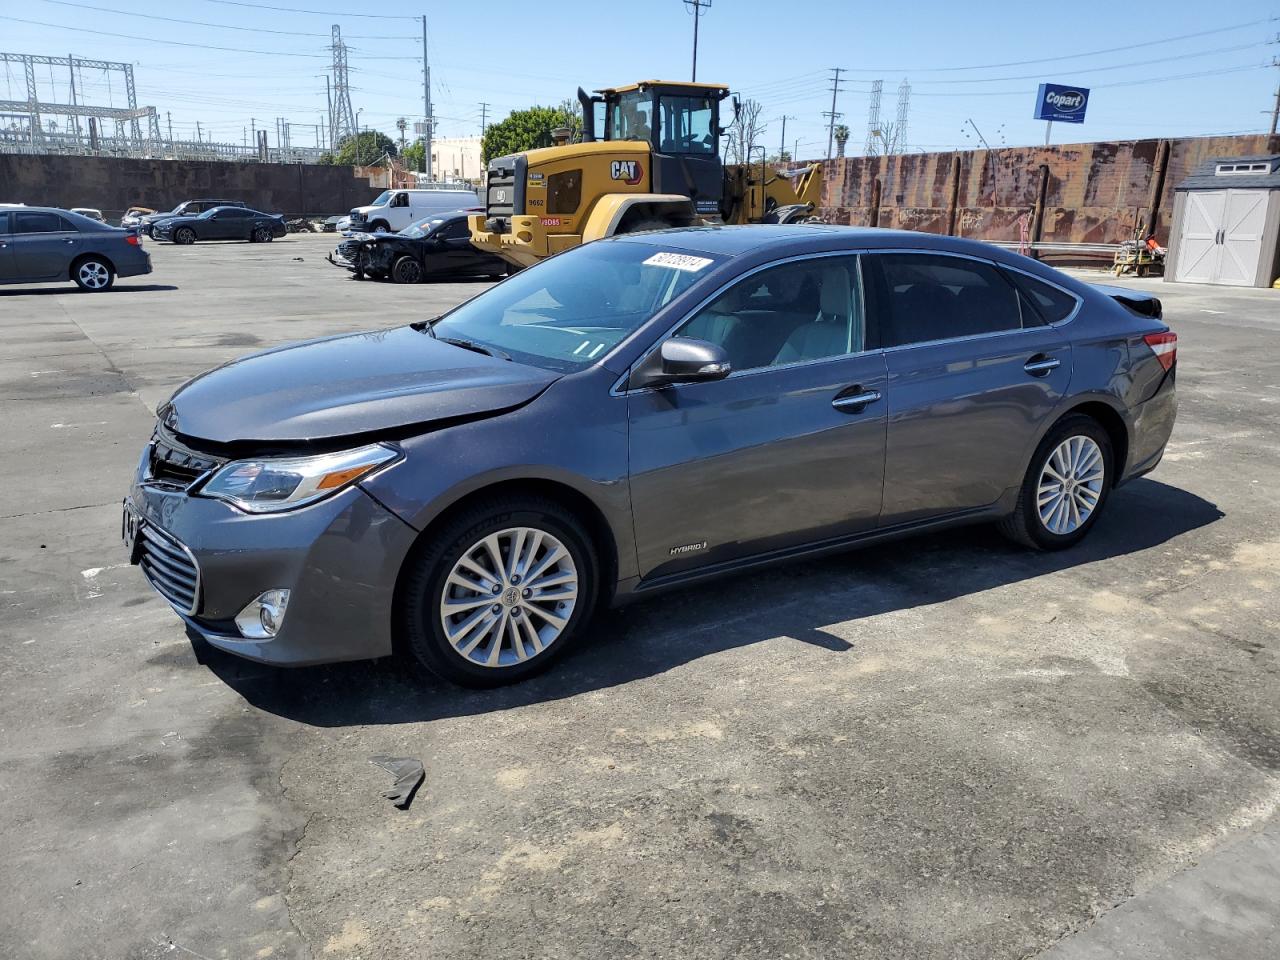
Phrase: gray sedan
pixel 39 244
pixel 636 414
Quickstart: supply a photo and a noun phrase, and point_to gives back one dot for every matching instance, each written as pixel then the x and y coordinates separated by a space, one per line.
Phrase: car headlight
pixel 271 484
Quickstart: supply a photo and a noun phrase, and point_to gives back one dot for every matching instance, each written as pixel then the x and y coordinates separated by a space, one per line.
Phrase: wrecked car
pixel 435 247
pixel 639 413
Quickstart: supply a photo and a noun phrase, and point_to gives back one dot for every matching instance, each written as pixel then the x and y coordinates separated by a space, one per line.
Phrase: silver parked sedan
pixel 635 414
pixel 41 244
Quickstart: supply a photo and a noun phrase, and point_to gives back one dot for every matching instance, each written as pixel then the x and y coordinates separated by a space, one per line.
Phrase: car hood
pixel 342 386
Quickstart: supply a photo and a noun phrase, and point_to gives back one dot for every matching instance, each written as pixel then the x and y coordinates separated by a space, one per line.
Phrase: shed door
pixel 1243 221
pixel 1198 249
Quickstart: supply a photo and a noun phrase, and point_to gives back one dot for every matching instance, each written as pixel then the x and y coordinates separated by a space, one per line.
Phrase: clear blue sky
pixel 516 54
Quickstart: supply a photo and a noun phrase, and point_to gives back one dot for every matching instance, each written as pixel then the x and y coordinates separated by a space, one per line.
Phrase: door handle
pixel 68 240
pixel 855 402
pixel 1039 365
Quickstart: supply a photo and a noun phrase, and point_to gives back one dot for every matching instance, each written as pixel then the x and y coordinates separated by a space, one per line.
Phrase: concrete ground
pixel 941 748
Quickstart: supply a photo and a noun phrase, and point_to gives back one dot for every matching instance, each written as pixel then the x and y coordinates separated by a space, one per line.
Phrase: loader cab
pixel 681 124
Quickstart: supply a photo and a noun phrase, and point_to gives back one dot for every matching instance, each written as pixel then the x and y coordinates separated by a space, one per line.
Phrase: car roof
pixel 793 239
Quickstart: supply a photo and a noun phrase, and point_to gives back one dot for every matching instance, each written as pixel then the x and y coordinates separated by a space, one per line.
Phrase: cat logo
pixel 629 171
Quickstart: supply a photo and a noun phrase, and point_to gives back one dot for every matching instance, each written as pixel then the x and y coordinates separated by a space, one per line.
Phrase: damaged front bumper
pixel 338 558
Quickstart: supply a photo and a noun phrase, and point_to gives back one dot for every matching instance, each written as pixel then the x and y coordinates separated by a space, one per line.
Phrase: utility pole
pixel 328 99
pixel 1275 112
pixel 169 116
pixel 199 138
pixel 782 144
pixel 75 119
pixel 983 139
pixel 831 114
pixel 484 118
pixel 696 6
pixel 426 104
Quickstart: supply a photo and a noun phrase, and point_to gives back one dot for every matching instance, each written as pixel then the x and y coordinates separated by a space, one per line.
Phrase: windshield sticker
pixel 678 261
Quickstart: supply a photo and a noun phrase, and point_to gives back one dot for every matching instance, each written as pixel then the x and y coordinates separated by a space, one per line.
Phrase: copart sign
pixel 1063 104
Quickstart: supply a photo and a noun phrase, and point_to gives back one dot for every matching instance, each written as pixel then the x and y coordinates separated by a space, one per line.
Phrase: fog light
pixel 262 619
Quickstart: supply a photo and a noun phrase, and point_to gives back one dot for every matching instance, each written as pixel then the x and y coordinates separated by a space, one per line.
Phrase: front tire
pixel 1065 488
pixel 379 226
pixel 93 274
pixel 184 236
pixel 500 593
pixel 407 270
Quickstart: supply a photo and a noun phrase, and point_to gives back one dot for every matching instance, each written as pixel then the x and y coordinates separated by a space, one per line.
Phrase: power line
pixel 1070 56
pixel 219 26
pixel 323 13
pixel 173 43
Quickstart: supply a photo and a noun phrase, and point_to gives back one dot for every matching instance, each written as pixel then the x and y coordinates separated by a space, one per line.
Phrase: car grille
pixel 174 465
pixel 171 568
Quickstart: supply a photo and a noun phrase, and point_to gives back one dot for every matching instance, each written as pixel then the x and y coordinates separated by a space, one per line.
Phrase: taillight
pixel 134 239
pixel 1165 347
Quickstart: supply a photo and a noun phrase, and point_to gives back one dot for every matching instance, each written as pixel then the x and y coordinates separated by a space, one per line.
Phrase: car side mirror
pixel 682 360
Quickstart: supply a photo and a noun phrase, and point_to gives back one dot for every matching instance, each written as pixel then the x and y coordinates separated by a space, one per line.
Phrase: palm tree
pixel 842 137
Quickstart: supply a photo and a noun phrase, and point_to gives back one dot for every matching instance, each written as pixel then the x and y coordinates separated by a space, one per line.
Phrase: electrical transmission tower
pixel 342 119
pixel 900 128
pixel 873 118
pixel 32 111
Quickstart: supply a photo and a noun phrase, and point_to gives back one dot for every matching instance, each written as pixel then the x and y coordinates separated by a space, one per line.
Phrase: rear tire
pixel 407 270
pixel 1062 494
pixel 93 274
pixel 532 609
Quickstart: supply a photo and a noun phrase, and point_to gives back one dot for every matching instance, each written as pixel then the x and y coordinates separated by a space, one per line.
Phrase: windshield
pixel 629 116
pixel 420 229
pixel 571 310
pixel 381 199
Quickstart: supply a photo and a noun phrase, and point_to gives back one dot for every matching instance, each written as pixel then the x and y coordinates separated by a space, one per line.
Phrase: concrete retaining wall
pixel 113 185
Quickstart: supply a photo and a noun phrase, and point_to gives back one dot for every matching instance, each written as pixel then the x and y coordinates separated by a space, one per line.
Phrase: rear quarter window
pixel 1042 302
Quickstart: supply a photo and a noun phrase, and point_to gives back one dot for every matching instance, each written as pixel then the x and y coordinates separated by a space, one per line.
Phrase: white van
pixel 394 210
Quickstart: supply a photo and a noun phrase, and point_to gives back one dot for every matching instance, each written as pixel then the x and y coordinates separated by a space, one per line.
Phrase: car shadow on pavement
pixel 651 637
pixel 19 290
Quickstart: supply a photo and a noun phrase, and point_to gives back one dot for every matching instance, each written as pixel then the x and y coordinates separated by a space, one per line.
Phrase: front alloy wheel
pixel 509 597
pixel 407 270
pixel 499 592
pixel 184 235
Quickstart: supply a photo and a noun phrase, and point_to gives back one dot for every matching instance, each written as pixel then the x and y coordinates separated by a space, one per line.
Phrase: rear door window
pixel 40 222
pixel 937 297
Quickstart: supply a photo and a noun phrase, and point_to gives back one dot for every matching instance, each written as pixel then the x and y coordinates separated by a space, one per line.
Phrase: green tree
pixel 364 149
pixel 524 130
pixel 415 155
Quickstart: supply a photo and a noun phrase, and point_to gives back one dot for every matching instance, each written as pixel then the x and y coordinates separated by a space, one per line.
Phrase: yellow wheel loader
pixel 649 159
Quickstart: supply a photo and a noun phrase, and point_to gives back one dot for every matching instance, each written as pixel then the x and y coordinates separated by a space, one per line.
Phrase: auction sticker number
pixel 678 261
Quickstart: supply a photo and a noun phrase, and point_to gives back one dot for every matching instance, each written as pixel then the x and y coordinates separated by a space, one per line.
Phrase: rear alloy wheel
pixel 502 592
pixel 1065 488
pixel 407 270
pixel 93 275
pixel 184 236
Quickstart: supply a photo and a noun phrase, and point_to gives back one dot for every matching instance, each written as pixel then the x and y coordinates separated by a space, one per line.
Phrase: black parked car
pixel 434 247
pixel 188 208
pixel 222 223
